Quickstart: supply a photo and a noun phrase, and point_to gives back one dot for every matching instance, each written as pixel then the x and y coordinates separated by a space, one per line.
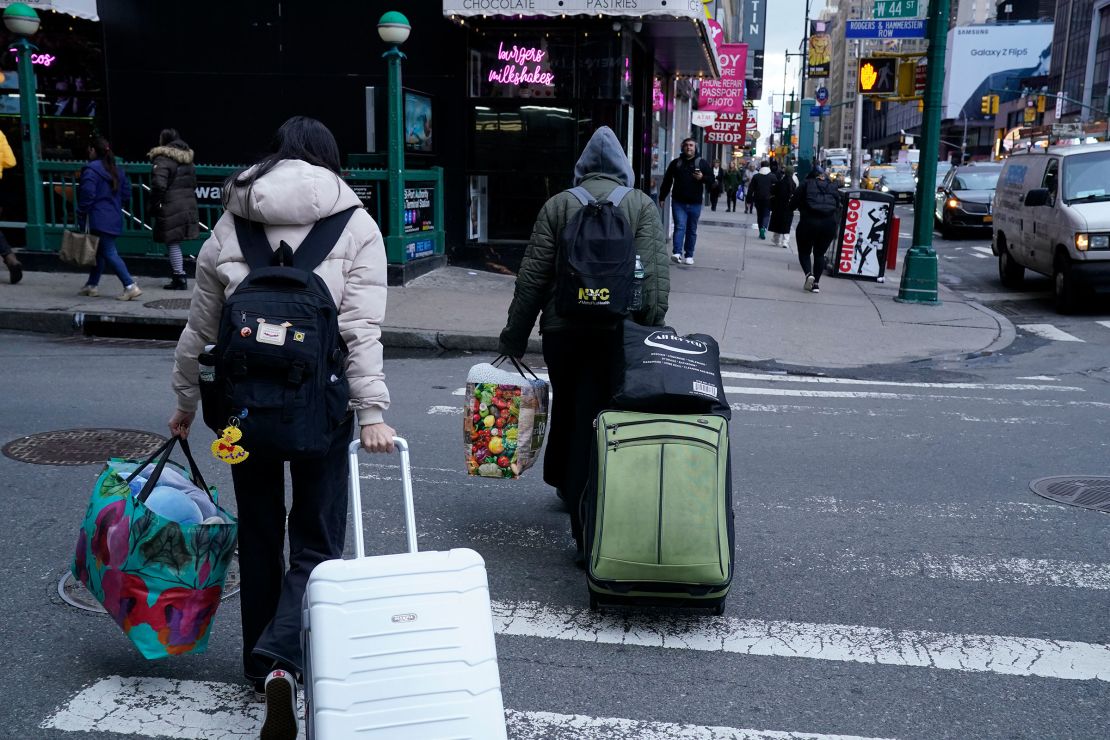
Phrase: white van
pixel 1052 216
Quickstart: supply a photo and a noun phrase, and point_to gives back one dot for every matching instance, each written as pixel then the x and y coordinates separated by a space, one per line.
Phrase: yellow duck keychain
pixel 226 449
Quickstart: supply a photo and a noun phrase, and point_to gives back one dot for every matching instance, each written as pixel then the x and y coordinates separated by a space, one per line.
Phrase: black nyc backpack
pixel 596 258
pixel 279 359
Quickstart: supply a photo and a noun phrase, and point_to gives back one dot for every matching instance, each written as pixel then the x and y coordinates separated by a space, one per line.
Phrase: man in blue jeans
pixel 689 175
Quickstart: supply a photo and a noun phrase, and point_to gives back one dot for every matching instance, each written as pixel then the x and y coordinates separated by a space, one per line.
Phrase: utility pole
pixel 919 274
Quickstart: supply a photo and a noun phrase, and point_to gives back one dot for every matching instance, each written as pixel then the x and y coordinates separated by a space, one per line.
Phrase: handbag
pixel 159 578
pixel 504 419
pixel 79 248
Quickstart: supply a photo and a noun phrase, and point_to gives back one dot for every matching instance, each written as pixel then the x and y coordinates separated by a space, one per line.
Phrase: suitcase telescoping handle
pixel 356 495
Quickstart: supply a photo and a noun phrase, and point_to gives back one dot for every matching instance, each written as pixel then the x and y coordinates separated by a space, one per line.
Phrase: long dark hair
pixel 103 151
pixel 301 138
pixel 168 135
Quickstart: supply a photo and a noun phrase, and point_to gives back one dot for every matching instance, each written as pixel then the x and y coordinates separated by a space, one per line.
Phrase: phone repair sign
pixel 864 225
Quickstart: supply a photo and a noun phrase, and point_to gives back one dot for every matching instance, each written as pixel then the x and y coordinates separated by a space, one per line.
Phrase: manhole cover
pixel 1087 491
pixel 82 446
pixel 169 304
pixel 74 593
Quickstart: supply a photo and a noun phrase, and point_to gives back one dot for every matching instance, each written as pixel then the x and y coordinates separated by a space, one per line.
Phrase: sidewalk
pixel 742 291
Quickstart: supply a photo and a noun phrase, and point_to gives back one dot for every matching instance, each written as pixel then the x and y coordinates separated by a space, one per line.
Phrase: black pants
pixel 814 237
pixel 714 196
pixel 580 366
pixel 270 595
pixel 763 213
pixel 730 200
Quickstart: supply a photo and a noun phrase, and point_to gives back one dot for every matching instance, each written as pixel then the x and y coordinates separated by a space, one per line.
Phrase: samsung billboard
pixel 992 60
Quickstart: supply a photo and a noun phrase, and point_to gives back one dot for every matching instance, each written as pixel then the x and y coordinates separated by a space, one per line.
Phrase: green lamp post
pixel 394 28
pixel 919 273
pixel 23 21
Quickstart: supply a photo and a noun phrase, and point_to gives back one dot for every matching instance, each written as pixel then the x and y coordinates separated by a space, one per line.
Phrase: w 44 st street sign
pixel 895 8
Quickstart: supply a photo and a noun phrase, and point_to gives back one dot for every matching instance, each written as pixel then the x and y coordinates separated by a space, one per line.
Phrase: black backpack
pixel 279 359
pixel 596 258
pixel 822 199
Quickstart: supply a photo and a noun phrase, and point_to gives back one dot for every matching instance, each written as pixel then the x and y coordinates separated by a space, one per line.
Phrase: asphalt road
pixel 896 578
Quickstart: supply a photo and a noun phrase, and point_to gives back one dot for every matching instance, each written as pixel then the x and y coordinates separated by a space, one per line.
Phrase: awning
pixel 81 8
pixel 677 30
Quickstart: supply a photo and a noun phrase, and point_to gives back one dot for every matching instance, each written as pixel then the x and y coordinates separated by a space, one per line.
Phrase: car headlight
pixel 1100 241
pixel 953 203
pixel 1082 241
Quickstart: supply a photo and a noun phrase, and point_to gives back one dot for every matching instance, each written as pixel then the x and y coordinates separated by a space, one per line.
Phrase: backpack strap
pixel 616 195
pixel 311 252
pixel 321 240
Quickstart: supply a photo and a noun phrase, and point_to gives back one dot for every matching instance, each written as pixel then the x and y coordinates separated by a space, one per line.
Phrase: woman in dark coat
pixel 173 200
pixel 782 215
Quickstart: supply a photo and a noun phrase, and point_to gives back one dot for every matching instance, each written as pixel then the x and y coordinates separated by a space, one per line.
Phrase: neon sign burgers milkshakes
pixel 523 65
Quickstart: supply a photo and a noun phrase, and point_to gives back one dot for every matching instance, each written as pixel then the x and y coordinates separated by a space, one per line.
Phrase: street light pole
pixel 393 28
pixel 23 21
pixel 919 274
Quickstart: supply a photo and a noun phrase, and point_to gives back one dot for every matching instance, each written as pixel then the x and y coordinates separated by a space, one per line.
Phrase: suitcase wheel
pixel 593 602
pixel 719 609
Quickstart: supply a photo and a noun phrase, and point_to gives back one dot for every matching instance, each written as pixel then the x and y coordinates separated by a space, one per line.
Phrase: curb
pixel 1006 331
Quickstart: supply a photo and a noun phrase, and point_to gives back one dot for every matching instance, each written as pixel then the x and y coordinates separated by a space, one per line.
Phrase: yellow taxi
pixel 873 174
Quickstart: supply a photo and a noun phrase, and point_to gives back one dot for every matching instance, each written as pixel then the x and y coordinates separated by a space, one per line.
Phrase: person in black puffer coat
pixel 818 202
pixel 173 200
pixel 759 195
pixel 782 215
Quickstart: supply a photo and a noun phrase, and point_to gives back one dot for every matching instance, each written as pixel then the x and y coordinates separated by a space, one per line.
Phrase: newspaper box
pixel 860 250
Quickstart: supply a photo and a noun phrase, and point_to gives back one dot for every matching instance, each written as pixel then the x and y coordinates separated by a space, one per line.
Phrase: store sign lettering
pixel 517 72
pixel 44 60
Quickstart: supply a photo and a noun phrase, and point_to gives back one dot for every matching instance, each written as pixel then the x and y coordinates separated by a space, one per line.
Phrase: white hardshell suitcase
pixel 400 647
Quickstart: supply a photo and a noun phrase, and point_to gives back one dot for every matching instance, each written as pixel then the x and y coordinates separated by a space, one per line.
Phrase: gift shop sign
pixel 863 239
pixel 728 128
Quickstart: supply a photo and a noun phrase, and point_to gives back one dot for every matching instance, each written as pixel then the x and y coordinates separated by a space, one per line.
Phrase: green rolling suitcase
pixel 658 515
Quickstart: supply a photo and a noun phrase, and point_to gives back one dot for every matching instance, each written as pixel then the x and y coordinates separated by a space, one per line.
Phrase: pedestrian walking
pixel 173 201
pixel 102 190
pixel 579 356
pixel 689 175
pixel 730 181
pixel 716 188
pixel 818 202
pixel 288 192
pixel 759 195
pixel 15 268
pixel 782 215
pixel 746 185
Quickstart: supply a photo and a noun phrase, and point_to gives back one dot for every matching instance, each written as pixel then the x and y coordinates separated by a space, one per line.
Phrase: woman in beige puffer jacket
pixel 288 192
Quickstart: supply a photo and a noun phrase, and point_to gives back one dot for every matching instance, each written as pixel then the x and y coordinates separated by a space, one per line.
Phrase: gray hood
pixel 603 155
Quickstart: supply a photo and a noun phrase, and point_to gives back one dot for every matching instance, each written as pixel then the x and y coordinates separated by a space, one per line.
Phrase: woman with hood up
pixel 759 195
pixel 579 357
pixel 782 215
pixel 173 200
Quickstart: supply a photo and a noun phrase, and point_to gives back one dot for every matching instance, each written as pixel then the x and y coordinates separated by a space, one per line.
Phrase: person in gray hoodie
pixel 580 358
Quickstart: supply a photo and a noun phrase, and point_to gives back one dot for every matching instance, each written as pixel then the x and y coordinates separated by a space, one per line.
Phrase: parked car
pixel 1052 216
pixel 964 197
pixel 902 185
pixel 872 174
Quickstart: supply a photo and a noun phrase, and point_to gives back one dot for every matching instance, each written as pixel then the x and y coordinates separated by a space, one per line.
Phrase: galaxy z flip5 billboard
pixel 860 252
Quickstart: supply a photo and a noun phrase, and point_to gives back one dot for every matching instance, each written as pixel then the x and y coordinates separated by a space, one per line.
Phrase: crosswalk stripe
pixel 211 710
pixel 980 255
pixel 821 379
pixel 457 409
pixel 1048 331
pixel 1003 511
pixel 1017 571
pixel 1104 323
pixel 1011 656
pixel 985 251
pixel 804 393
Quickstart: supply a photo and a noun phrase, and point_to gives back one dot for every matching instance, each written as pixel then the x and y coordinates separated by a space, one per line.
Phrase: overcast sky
pixel 785 29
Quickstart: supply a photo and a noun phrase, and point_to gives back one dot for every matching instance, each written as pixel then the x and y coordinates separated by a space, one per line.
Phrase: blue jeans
pixel 106 254
pixel 686 217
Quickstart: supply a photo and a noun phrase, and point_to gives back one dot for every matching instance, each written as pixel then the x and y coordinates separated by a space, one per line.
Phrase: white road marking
pixel 459 392
pixel 1104 323
pixel 980 255
pixel 775 378
pixel 1011 656
pixel 1038 403
pixel 445 409
pixel 1006 511
pixel 984 250
pixel 209 710
pixel 1048 331
pixel 979 569
pixel 550 726
pixel 1037 377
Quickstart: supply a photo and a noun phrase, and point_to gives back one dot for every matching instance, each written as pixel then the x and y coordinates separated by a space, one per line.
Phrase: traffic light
pixel 877 75
pixel 1040 103
pixel 878 104
pixel 907 75
pixel 920 105
pixel 989 104
pixel 751 152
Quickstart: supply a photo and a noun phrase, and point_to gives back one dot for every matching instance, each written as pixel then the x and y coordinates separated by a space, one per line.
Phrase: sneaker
pixel 816 289
pixel 676 258
pixel 130 292
pixel 689 260
pixel 810 283
pixel 280 720
pixel 90 290
pixel 177 282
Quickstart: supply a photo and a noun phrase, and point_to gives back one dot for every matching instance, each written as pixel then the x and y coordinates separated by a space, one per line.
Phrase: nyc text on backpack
pixel 279 358
pixel 596 259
